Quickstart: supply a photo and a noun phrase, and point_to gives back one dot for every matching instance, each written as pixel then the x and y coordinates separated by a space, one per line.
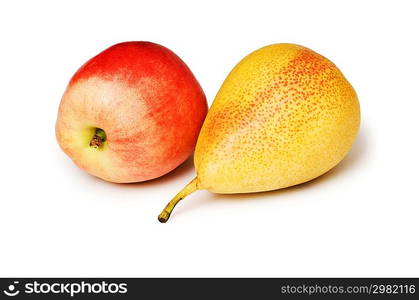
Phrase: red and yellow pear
pixel 284 115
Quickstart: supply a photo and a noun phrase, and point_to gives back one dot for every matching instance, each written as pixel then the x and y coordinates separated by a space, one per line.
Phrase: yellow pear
pixel 283 116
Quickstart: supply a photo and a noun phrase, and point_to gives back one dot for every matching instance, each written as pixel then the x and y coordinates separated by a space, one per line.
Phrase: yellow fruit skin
pixel 283 116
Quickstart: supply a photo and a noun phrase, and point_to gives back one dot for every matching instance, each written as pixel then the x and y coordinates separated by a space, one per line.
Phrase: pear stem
pixel 188 189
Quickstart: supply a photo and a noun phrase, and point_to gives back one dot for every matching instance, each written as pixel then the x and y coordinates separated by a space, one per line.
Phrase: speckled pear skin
pixel 283 116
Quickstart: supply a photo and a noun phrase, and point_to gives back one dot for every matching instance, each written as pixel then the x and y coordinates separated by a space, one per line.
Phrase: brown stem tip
pixel 163 217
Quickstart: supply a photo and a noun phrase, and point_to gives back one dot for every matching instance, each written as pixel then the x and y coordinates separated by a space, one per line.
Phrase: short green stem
pixel 190 188
pixel 98 139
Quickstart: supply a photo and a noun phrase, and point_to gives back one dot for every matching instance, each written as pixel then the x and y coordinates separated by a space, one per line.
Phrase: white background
pixel 360 219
